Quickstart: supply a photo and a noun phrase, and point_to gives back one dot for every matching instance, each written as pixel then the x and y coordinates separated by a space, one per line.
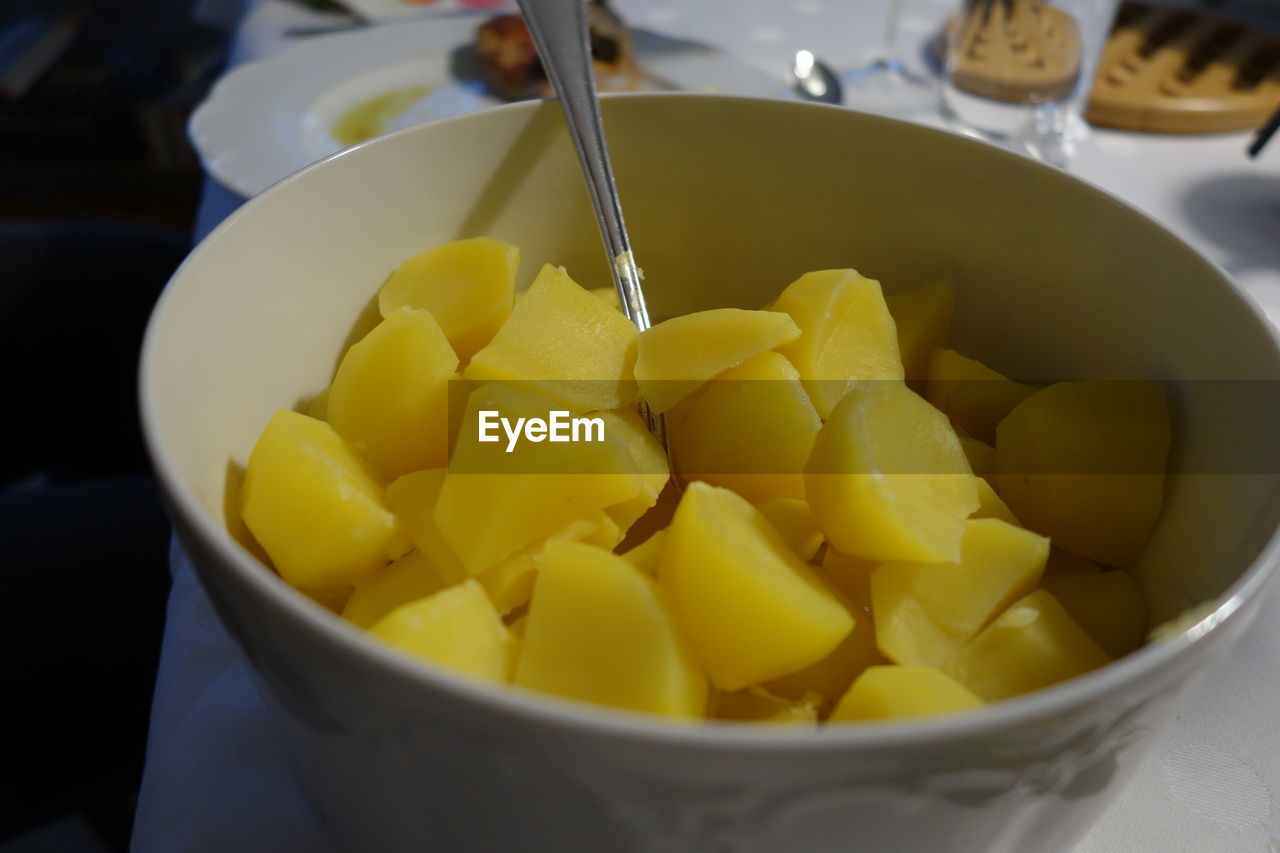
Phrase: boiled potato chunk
pixel 751 609
pixel 887 692
pixel 1083 463
pixel 1065 563
pixel 851 576
pixel 887 479
pixel 650 459
pixel 830 677
pixel 333 599
pixel 675 357
pixel 413 497
pixel 410 578
pixel 973 395
pixel 981 456
pixel 315 505
pixel 318 408
pixel 751 431
pixel 390 396
pixel 925 613
pixel 510 583
pixel 758 705
pixel 1110 606
pixel 923 318
pixel 467 285
pixel 1033 644
pixel 565 341
pixel 794 521
pixel 607 295
pixel 846 330
pixel 645 556
pixel 517 630
pixel 990 505
pixel 455 628
pixel 494 502
pixel 601 631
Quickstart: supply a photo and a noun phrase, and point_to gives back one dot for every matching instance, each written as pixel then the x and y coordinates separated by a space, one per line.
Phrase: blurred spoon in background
pixel 813 80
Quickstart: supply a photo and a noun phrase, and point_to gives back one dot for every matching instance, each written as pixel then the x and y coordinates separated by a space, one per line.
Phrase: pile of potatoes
pixel 861 524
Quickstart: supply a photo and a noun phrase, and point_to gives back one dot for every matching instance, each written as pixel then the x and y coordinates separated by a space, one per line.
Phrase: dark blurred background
pixel 98 192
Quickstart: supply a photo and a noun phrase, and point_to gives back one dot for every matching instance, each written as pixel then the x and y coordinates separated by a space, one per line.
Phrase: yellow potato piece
pixel 851 575
pixel 567 343
pixel 925 613
pixel 413 497
pixel 494 502
pixel 467 285
pixel 315 505
pixel 981 456
pixel 1065 563
pixel 758 705
pixel 645 556
pixel 887 479
pixel 455 628
pixel 1110 606
pixel 846 330
pixel 318 408
pixel 990 505
pixel 1033 644
pixel 973 395
pixel 679 413
pixel 751 431
pixel 794 521
pixel 830 677
pixel 650 459
pixel 332 600
pixel 510 583
pixel 752 610
pixel 390 396
pixel 675 357
pixel 889 692
pixel 410 578
pixel 601 631
pixel 607 295
pixel 599 529
pixel 923 319
pixel 1083 463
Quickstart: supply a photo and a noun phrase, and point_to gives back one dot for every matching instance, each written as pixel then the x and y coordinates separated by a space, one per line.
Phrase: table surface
pixel 216 776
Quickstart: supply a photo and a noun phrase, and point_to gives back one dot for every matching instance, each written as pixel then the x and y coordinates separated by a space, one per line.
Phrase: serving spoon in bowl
pixel 559 30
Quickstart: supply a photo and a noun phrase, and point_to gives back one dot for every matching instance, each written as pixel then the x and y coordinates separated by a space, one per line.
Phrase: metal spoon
pixel 559 30
pixel 813 80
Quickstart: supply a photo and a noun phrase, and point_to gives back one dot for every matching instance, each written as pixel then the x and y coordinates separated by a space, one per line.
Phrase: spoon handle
pixel 559 30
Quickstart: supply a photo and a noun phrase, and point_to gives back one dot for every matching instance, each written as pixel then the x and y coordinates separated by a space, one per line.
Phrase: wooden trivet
pixel 1163 70
pixel 1018 51
pixel 1176 71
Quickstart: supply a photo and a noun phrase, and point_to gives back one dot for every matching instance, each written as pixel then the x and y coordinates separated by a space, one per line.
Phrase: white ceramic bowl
pixel 728 200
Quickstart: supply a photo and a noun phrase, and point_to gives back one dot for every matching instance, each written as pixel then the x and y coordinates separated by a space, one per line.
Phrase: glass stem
pixel 890 41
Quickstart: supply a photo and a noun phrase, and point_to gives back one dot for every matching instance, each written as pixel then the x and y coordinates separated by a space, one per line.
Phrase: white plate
pixel 265 120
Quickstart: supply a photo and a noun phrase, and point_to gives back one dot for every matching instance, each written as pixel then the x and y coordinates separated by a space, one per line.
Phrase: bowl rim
pixel 525 707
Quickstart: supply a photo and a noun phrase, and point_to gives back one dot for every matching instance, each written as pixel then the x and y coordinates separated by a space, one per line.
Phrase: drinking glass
pixel 1021 70
pixel 886 84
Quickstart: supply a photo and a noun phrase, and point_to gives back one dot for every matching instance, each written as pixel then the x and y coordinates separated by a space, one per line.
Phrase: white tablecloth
pixel 217 778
